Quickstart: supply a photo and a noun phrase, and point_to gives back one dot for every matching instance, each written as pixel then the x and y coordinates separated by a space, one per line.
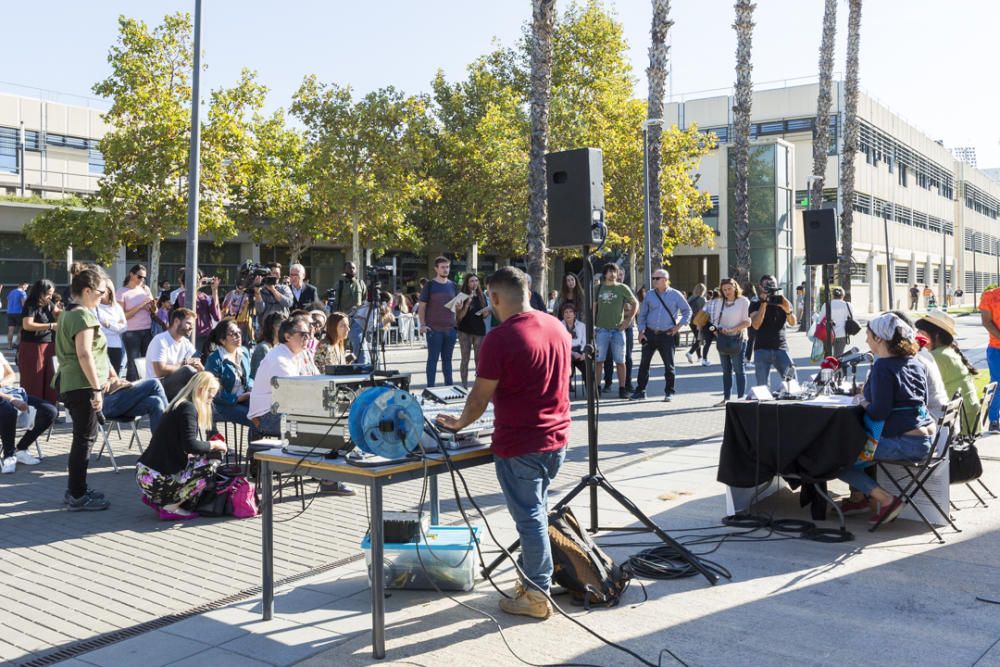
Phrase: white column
pixel 119 268
pixel 872 282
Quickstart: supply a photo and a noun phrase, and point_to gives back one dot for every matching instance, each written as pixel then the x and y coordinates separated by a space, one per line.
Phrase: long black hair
pixel 37 293
pixel 133 271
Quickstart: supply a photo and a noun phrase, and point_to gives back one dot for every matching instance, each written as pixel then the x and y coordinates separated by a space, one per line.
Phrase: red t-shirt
pixel 528 354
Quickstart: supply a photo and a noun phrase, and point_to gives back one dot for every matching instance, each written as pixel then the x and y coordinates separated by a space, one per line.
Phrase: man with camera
pixel 662 314
pixel 768 317
pixel 349 294
pixel 272 296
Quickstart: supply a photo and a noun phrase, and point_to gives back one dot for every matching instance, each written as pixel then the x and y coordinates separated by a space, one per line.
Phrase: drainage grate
pixel 87 645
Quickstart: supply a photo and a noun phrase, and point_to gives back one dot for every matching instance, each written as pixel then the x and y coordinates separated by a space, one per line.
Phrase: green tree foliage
pixel 65 226
pixel 370 161
pixel 271 199
pixel 144 189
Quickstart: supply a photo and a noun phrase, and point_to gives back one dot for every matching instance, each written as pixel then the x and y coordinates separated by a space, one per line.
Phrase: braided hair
pixel 941 337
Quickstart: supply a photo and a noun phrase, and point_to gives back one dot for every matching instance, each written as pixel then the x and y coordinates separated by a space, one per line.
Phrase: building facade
pixel 920 215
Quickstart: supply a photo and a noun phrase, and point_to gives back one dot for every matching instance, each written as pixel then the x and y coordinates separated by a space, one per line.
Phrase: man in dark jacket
pixel 303 294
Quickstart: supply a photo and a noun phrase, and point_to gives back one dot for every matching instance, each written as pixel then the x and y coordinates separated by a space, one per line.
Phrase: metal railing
pixel 42 181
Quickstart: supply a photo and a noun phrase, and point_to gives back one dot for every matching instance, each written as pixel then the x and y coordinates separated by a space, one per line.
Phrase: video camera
pixel 249 271
pixel 773 292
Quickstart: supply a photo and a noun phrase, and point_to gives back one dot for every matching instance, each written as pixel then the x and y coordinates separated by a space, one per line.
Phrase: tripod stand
pixel 595 479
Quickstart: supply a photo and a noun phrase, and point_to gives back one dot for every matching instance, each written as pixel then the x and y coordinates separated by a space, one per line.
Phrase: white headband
pixel 885 325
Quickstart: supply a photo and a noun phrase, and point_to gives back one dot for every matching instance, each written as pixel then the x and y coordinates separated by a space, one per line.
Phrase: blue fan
pixel 387 422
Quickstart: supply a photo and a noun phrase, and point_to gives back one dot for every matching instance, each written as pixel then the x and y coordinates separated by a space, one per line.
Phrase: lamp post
pixel 647 269
pixel 890 277
pixel 191 274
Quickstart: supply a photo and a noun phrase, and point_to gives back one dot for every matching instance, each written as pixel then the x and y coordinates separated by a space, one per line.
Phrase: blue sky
pixel 935 69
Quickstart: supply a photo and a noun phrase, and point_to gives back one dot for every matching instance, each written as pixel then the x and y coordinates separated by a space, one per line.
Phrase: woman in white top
pixel 728 317
pixel 840 312
pixel 113 324
pixel 578 332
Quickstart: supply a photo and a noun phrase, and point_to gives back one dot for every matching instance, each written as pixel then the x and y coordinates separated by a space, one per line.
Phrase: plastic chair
pixel 920 471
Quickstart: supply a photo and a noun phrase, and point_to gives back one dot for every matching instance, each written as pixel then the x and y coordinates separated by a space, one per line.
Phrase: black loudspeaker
pixel 575 187
pixel 820 229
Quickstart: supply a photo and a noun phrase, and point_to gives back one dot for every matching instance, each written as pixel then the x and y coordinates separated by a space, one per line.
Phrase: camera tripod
pixel 595 479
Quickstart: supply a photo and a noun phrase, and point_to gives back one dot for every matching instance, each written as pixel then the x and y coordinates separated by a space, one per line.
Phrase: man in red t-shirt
pixel 989 312
pixel 523 366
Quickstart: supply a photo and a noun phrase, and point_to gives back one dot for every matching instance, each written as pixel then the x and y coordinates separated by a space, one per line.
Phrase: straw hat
pixel 941 320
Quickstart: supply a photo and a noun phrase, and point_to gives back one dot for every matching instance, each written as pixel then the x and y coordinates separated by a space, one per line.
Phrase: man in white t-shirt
pixel 171 356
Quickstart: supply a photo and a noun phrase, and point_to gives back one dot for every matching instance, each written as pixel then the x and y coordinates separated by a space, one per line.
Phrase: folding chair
pixel 104 430
pixel 980 425
pixel 919 472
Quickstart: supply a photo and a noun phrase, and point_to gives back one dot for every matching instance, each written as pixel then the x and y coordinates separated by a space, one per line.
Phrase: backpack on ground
pixel 580 566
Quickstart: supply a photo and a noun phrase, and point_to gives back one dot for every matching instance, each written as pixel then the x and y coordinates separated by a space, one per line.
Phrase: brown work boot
pixel 527 603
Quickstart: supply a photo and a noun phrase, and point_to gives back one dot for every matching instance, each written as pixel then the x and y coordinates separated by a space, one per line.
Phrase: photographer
pixel 207 311
pixel 272 296
pixel 768 317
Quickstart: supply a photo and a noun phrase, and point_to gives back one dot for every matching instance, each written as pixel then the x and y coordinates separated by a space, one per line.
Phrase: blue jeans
pixel 235 413
pixel 896 447
pixel 993 361
pixel 731 363
pixel 764 359
pixel 440 344
pixel 145 397
pixel 355 335
pixel 609 342
pixel 525 483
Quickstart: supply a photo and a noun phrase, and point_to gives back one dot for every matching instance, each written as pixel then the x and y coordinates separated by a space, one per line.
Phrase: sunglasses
pixel 233 334
pixel 140 277
pixel 298 333
pixel 100 292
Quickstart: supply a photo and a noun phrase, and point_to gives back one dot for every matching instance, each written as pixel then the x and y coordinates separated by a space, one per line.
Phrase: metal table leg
pixel 377 572
pixel 435 502
pixel 267 536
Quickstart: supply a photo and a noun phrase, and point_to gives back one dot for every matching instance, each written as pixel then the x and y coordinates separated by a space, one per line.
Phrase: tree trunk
pixel 657 77
pixel 821 134
pixel 740 217
pixel 542 28
pixel 356 242
pixel 154 264
pixel 850 148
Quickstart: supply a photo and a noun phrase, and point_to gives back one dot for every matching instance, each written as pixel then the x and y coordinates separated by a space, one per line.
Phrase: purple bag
pixel 242 497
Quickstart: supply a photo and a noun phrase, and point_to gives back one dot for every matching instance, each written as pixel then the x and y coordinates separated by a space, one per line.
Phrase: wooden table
pixel 338 470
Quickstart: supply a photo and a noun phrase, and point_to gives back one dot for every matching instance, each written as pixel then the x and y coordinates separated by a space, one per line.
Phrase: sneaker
pixel 335 489
pixel 527 603
pixel 605 388
pixel 638 395
pixel 23 456
pixel 690 357
pixel 705 362
pixel 668 398
pixel 851 507
pixel 888 513
pixel 721 404
pixel 994 427
pixel 85 503
pixel 90 493
pixel 622 392
pixel 8 464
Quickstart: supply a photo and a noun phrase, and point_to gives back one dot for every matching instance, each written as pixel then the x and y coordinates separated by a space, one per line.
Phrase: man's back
pixel 529 355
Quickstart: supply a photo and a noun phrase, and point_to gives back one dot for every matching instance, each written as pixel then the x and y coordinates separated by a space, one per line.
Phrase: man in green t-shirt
pixel 615 306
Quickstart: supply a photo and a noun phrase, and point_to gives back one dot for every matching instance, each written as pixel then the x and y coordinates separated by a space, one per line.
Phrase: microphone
pixel 854 357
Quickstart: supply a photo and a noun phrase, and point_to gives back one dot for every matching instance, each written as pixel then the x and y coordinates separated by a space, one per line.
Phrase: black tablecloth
pixel 764 439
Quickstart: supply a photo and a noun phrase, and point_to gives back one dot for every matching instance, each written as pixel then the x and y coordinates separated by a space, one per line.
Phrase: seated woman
pixel 956 371
pixel 230 364
pixel 176 467
pixel 14 401
pixel 578 332
pixel 896 395
pixel 267 339
pixel 331 350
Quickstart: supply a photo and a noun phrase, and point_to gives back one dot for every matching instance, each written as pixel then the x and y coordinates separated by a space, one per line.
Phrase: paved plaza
pixel 125 586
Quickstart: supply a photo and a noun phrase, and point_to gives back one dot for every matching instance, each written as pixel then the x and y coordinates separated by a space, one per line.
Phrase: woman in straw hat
pixel 956 370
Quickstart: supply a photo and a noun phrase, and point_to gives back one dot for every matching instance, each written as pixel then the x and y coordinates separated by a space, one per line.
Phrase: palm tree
pixel 542 28
pixel 821 138
pixel 850 146
pixel 657 76
pixel 740 217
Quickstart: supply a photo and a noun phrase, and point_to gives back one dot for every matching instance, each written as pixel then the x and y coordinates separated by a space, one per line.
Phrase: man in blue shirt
pixel 663 312
pixel 15 308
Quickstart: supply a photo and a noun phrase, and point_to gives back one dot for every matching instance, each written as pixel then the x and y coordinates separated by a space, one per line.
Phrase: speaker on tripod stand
pixel 819 228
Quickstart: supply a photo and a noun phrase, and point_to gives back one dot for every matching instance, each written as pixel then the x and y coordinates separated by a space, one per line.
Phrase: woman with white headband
pixel 895 397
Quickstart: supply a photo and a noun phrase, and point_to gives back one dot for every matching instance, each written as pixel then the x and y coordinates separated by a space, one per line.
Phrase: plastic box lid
pixel 445 538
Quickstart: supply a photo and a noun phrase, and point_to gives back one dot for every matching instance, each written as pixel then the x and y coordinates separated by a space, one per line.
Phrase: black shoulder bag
pixel 851 326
